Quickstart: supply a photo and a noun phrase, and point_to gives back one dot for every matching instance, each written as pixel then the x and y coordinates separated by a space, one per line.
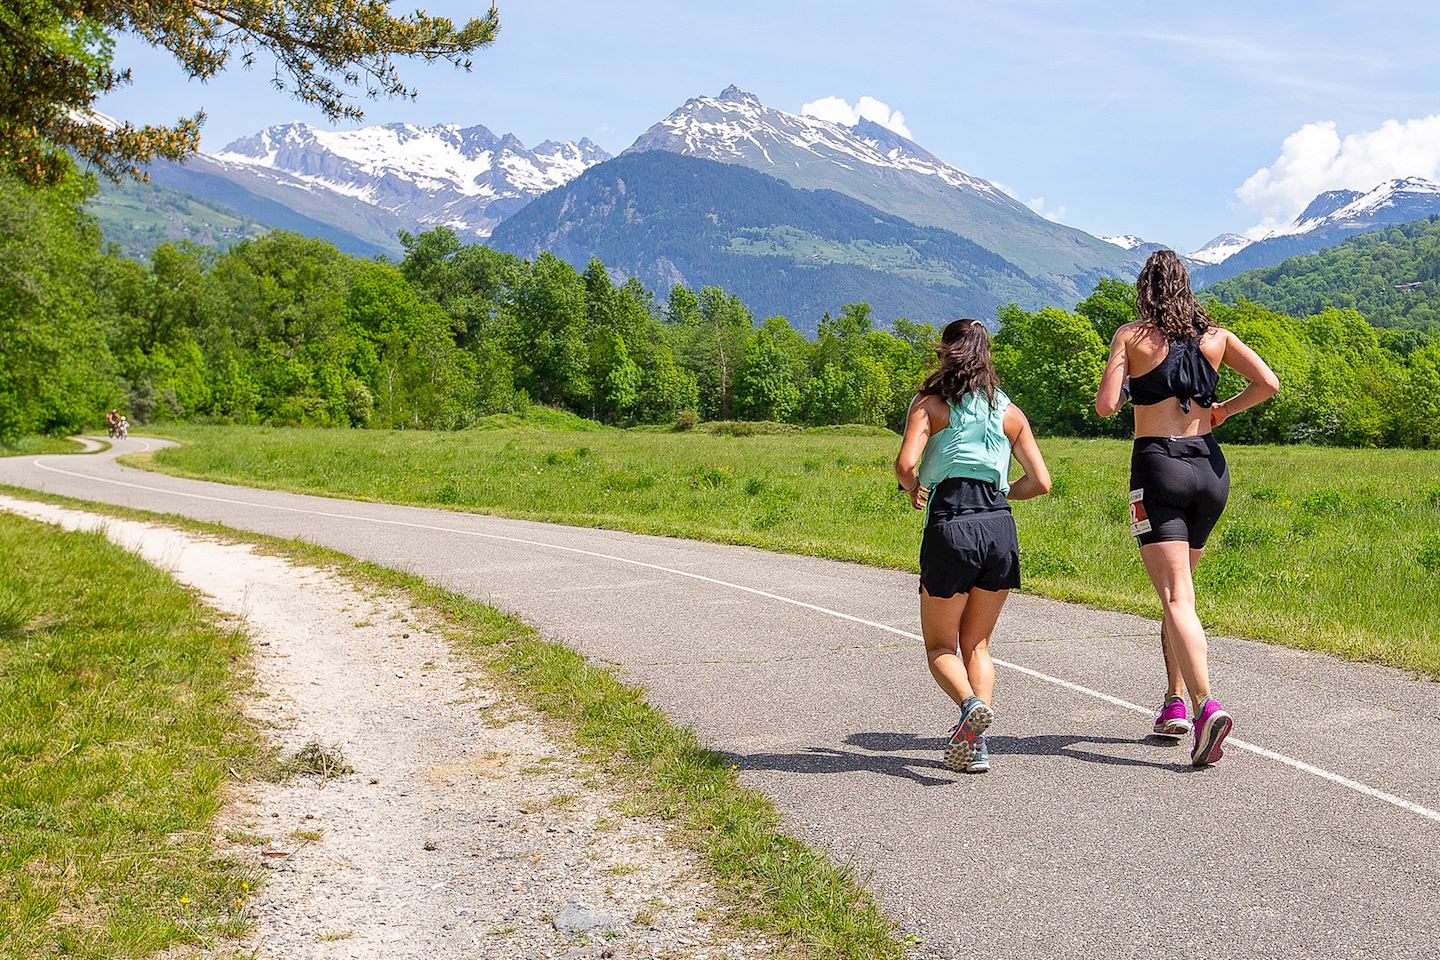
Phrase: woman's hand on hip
pixel 919 497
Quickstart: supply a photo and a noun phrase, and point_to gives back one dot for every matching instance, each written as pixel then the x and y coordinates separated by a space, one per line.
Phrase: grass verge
pixel 777 884
pixel 39 446
pixel 119 728
pixel 1322 549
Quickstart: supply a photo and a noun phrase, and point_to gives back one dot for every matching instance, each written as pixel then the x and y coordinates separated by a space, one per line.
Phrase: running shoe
pixel 980 762
pixel 1172 721
pixel 1212 726
pixel 975 718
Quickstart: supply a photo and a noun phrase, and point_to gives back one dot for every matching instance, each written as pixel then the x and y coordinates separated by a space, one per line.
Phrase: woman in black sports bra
pixel 1169 364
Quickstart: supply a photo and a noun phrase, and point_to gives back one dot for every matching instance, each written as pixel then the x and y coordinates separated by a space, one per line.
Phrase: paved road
pixel 1319 838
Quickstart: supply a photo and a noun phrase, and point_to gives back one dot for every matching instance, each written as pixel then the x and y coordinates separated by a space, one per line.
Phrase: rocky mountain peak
pixel 464 178
pixel 734 94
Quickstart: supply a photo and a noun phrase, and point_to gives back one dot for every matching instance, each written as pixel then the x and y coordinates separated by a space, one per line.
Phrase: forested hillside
pixel 1392 276
pixel 670 219
pixel 285 329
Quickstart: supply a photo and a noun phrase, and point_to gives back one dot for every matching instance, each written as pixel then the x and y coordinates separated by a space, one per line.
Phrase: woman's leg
pixel 940 624
pixel 1174 682
pixel 976 625
pixel 1169 566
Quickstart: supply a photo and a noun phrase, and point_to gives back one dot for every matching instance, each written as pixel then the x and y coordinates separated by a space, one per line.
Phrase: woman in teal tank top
pixel 954 461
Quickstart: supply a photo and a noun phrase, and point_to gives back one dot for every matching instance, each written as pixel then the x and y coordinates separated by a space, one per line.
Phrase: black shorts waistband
pixel 1204 445
pixel 959 497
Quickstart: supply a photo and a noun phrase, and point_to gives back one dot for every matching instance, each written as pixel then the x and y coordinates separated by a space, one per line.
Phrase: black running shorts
pixel 1178 489
pixel 972 550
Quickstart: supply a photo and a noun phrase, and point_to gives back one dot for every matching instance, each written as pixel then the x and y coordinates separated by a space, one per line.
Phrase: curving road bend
pixel 1318 836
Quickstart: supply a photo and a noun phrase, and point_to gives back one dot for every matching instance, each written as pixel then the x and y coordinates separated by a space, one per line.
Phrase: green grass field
pixel 119 727
pixel 1325 549
pixel 38 445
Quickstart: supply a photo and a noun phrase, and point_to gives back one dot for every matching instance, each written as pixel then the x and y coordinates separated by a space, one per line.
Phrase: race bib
pixel 1139 521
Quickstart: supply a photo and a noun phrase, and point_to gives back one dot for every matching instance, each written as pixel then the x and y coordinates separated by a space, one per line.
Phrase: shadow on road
pixel 891 754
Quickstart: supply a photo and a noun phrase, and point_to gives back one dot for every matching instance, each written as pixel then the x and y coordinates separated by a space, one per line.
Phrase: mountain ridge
pixel 1331 218
pixel 885 170
pixel 666 218
pixel 464 178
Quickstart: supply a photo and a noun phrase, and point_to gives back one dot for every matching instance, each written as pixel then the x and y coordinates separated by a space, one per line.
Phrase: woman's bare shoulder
pixel 934 407
pixel 1215 341
pixel 1127 332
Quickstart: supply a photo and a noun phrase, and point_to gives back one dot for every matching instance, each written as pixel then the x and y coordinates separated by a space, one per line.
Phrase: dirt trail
pixel 464 830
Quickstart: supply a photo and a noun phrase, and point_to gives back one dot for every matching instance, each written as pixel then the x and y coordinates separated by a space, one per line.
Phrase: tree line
pixel 285 329
pixel 1392 276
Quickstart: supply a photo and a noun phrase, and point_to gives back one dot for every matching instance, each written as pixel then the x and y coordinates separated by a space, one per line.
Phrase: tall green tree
pixel 56 371
pixel 766 387
pixel 1050 363
pixel 468 280
pixel 548 341
pixel 1112 304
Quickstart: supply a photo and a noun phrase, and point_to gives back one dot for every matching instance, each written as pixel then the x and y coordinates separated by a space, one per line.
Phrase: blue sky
pixel 1116 117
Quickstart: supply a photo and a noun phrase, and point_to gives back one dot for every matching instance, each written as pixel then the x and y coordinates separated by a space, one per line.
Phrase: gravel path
pixel 467 829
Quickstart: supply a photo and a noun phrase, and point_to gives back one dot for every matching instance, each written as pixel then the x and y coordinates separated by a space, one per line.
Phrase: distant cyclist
pixel 112 422
pixel 123 430
pixel 1168 361
pixel 955 463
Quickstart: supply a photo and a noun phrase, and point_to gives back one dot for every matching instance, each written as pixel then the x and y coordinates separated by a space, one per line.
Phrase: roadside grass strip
pixel 775 884
pixel 120 726
pixel 35 446
pixel 1323 549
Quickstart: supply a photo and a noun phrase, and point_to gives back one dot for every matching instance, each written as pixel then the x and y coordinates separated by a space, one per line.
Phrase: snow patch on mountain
pixel 737 127
pixel 1125 241
pixel 1220 249
pixel 1352 208
pixel 439 175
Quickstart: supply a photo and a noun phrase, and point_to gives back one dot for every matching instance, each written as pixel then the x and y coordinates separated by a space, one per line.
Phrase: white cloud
pixel 1316 158
pixel 1055 214
pixel 841 111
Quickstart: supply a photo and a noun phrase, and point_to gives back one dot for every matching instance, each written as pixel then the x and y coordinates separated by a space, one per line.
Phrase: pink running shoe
pixel 1212 726
pixel 1172 721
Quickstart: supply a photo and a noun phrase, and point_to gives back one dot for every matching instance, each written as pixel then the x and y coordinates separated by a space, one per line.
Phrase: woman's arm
pixel 1036 481
pixel 1110 397
pixel 912 445
pixel 1262 386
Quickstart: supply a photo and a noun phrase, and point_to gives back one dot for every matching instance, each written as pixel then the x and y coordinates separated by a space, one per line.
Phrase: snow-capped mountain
pixel 465 178
pixel 1220 249
pixel 884 169
pixel 1394 201
pixel 1331 218
pixel 1125 241
pixel 736 127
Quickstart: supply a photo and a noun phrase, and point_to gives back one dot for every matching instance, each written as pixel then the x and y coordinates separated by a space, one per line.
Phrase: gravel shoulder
pixel 467 827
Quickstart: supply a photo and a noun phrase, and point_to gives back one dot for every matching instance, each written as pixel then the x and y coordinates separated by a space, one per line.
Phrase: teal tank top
pixel 973 445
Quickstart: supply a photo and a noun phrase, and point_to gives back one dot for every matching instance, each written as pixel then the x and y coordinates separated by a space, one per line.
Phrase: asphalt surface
pixel 1317 836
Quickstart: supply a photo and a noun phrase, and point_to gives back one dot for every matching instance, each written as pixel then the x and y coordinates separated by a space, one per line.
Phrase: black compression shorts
pixel 1178 489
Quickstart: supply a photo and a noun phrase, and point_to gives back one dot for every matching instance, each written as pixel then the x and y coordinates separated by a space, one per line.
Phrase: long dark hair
pixel 965 364
pixel 1166 300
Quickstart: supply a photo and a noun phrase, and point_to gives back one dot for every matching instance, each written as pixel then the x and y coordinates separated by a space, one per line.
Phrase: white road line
pixel 1301 765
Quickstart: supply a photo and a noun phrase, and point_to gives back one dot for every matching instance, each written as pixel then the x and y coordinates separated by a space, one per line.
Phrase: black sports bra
pixel 1184 374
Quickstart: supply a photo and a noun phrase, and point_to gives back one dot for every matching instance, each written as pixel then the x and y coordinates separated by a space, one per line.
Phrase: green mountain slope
pixel 200 201
pixel 669 219
pixel 1391 276
pixel 138 217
